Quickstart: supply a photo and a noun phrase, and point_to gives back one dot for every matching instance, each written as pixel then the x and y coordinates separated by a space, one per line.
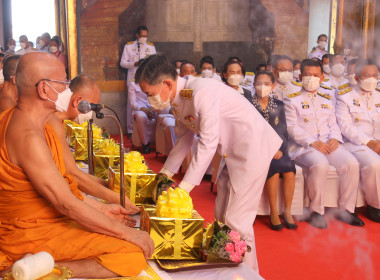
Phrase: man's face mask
pixel 63 99
pixel 82 118
pixel 156 101
pixel 143 40
pixel 207 73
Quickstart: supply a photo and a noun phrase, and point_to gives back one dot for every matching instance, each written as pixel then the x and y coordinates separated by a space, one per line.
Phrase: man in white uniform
pixel 314 144
pixel 227 124
pixel 358 114
pixel 283 73
pixel 320 50
pixel 133 52
pixel 208 69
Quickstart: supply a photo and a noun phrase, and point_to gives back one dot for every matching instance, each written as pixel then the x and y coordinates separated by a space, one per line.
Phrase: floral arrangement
pixel 221 242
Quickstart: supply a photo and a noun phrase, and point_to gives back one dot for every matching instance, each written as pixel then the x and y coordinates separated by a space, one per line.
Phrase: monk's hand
pixel 278 155
pixel 120 214
pixel 142 240
pixel 131 207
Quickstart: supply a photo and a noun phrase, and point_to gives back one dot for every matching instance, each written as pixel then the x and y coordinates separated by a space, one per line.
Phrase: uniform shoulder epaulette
pixel 199 75
pixel 151 44
pixel 343 86
pixel 313 50
pixel 344 91
pixel 327 96
pixel 130 42
pixel 250 73
pixel 294 94
pixel 187 93
pixel 297 84
pixel 378 88
pixel 325 87
pixel 132 80
pixel 326 80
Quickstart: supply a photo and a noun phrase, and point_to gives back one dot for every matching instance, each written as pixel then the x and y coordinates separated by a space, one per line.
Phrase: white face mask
pixel 63 99
pixel 235 80
pixel 53 49
pixel 142 40
pixel 207 73
pixel 351 80
pixel 296 74
pixel 41 44
pixel 82 118
pixel 12 48
pixel 326 68
pixel 368 85
pixel 346 51
pixel 285 77
pixel 23 45
pixel 310 83
pixel 178 70
pixel 322 44
pixel 263 91
pixel 157 103
pixel 337 70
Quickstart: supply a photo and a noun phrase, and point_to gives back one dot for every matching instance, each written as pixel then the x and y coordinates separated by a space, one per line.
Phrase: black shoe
pixel 349 218
pixel 287 224
pixel 145 149
pixel 373 214
pixel 275 227
pixel 317 220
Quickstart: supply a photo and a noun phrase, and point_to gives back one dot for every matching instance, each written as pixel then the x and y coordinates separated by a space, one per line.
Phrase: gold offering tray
pixel 58 273
pixel 183 265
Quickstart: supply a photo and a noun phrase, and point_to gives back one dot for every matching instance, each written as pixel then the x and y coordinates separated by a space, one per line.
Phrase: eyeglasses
pixel 66 83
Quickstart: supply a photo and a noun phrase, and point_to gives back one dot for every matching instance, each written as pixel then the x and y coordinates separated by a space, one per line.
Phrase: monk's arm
pixel 37 163
pixel 87 183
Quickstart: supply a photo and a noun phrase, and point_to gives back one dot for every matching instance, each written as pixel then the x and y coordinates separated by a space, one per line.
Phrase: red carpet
pixel 340 252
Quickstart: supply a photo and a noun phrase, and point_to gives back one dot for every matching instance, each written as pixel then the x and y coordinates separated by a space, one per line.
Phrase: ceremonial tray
pixel 58 273
pixel 183 265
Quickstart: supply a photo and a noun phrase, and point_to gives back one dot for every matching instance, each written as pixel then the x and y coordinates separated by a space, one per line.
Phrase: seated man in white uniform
pixel 337 80
pixel 208 69
pixel 314 138
pixel 226 124
pixel 144 118
pixel 358 114
pixel 283 73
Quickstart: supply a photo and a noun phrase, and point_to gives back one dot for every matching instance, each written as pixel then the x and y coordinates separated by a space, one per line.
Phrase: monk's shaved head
pixel 83 85
pixel 35 66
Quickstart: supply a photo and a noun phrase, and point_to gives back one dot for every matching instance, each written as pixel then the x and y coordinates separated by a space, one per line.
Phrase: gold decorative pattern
pixel 187 93
pixel 327 96
pixel 294 94
pixel 344 91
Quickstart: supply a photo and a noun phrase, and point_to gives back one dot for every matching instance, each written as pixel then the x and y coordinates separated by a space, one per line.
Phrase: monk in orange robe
pixel 8 93
pixel 41 207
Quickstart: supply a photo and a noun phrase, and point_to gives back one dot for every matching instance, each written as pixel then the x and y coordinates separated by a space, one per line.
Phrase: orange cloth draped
pixel 30 224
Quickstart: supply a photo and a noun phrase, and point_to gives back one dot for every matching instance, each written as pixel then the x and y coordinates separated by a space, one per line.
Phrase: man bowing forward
pixel 227 124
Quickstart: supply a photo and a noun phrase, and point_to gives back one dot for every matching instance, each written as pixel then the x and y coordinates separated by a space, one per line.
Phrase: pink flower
pixel 234 235
pixel 235 257
pixel 241 247
pixel 230 247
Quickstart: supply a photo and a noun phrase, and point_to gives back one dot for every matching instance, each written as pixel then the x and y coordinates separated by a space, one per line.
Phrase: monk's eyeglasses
pixel 66 83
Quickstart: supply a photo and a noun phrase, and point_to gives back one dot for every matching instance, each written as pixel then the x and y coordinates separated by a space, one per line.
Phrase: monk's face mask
pixel 63 99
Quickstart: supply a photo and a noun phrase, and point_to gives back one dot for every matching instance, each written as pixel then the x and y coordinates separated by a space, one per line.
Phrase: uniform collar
pixel 240 90
pixel 307 93
pixel 361 92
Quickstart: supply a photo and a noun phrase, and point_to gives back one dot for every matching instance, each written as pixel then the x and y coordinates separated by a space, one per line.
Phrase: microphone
pixel 84 107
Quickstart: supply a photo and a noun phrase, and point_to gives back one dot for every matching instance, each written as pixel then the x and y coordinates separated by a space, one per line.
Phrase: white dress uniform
pixel 337 84
pixel 133 52
pixel 281 91
pixel 358 114
pixel 143 124
pixel 317 52
pixel 311 117
pixel 227 124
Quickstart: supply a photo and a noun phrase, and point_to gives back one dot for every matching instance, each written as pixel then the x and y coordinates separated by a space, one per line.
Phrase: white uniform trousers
pixel 370 175
pixel 129 111
pixel 318 164
pixel 238 210
pixel 142 127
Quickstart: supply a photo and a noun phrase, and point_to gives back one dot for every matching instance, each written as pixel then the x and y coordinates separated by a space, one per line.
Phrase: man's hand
pixel 374 145
pixel 322 147
pixel 163 183
pixel 118 213
pixel 278 155
pixel 333 144
pixel 142 240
